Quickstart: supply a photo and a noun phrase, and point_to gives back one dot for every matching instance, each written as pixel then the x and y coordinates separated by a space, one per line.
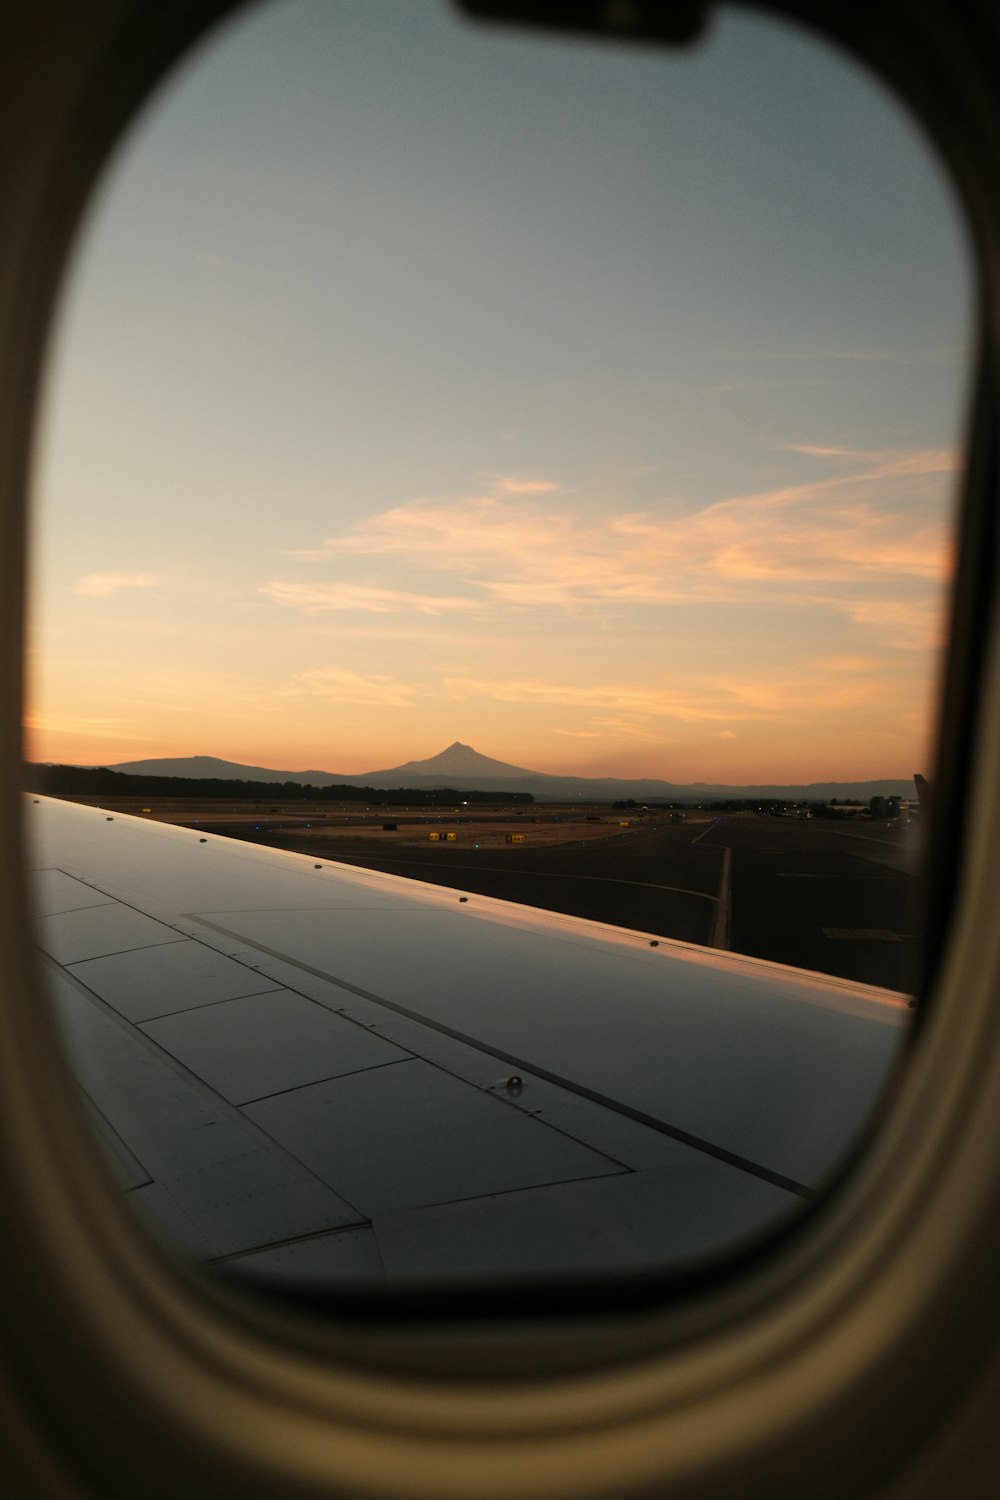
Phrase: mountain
pixel 458 760
pixel 462 768
pixel 205 767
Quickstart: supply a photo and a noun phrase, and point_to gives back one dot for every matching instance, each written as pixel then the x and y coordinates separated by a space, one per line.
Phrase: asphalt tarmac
pixel 842 898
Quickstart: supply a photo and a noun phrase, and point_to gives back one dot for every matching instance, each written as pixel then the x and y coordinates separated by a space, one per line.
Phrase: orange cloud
pixel 711 699
pixel 318 598
pixel 102 585
pixel 112 727
pixel 342 686
pixel 608 728
pixel 834 529
pixel 917 626
pixel 513 485
pixel 885 461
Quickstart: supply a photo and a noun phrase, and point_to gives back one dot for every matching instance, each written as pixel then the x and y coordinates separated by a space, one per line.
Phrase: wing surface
pixel 302 1070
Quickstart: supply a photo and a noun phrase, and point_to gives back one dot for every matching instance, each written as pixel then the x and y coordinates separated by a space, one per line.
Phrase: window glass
pixel 492 468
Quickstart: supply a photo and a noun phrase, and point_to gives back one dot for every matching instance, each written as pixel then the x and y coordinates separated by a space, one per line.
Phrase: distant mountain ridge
pixel 458 760
pixel 464 769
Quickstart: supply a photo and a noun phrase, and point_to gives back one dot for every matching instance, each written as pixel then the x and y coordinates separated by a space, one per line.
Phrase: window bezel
pixel 211 1387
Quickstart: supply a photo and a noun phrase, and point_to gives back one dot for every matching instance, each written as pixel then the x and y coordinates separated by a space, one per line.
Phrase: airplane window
pixel 492 544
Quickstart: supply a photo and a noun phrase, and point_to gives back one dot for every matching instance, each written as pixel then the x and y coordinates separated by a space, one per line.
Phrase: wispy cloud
pixel 102 585
pixel 884 463
pixel 318 598
pixel 622 726
pixel 338 685
pixel 607 728
pixel 856 525
pixel 906 626
pixel 111 726
pixel 853 664
pixel 946 354
pixel 513 484
pixel 454 536
pixel 861 535
pixel 715 699
pixel 630 698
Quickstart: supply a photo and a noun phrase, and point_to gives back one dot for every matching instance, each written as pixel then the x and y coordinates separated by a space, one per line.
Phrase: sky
pixel 596 407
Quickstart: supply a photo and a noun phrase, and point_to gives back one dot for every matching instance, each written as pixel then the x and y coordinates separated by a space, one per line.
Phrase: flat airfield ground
pixel 839 896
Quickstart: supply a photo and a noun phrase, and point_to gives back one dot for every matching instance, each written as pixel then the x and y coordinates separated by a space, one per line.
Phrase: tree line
pixel 99 781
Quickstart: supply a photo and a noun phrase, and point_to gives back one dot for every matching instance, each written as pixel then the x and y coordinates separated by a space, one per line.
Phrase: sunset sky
pixel 598 408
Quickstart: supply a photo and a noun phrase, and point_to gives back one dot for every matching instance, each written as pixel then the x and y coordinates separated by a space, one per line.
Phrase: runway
pixel 841 899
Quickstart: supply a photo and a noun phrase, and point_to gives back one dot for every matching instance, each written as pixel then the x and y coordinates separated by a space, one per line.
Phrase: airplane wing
pixel 307 1072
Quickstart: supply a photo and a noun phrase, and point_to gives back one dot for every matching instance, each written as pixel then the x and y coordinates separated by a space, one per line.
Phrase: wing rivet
pixel 654 942
pixel 203 841
pixel 462 898
pixel 514 1084
pixel 109 820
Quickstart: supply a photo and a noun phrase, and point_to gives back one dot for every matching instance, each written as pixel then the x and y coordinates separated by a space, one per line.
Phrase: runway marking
pixel 843 833
pixel 710 829
pixel 720 932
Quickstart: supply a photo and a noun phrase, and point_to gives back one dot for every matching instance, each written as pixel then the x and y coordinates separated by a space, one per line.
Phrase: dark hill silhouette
pixel 200 767
pixel 465 769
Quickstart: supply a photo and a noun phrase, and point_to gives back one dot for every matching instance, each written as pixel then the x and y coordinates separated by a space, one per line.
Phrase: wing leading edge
pixel 305 1071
